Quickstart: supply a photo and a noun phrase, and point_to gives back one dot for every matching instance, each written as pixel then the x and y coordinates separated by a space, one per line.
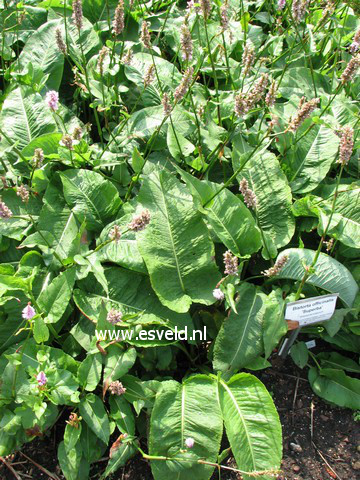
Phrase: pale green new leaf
pixel 252 424
pixel 181 411
pixel 330 275
pixel 176 245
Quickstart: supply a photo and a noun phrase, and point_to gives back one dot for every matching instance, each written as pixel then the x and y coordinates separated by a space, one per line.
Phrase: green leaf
pixel 252 424
pixel 89 373
pixel 274 325
pixel 58 228
pixel 41 50
pixel 336 387
pixel 121 412
pixel 124 252
pixel 69 461
pixel 91 197
pixel 93 412
pixel 337 361
pixel 226 213
pixel 181 411
pixel 118 362
pixel 41 331
pixel 54 299
pixel 25 116
pixel 178 145
pixel 330 275
pixel 344 221
pixel 239 340
pixel 71 436
pixel 312 158
pixel 274 198
pixel 137 161
pixel 129 292
pixel 119 458
pixel 176 245
pixel 300 354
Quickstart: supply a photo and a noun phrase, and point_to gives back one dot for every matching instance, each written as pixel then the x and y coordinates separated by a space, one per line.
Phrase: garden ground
pixel 333 451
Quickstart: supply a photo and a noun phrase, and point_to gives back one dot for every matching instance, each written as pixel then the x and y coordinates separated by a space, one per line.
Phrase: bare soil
pixel 320 441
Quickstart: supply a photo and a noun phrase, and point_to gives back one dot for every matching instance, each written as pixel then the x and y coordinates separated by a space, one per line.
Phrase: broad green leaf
pixel 226 213
pixel 93 412
pixel 145 122
pixel 312 158
pixel 90 197
pixel 345 220
pixel 119 458
pixel 89 373
pixel 92 447
pixel 69 461
pixel 57 228
pixel 336 387
pixel 138 161
pixel 298 81
pixel 176 245
pixel 178 145
pixel 55 298
pixel 346 341
pixel 239 340
pixel 86 43
pixel 252 424
pixel 337 361
pixel 125 251
pixel 40 330
pixel 167 72
pixel 129 292
pixel 49 143
pixel 274 199
pixel 121 412
pixel 300 354
pixel 274 325
pixel 25 116
pixel 41 50
pixel 118 362
pixel 71 436
pixel 330 275
pixel 73 465
pixel 181 411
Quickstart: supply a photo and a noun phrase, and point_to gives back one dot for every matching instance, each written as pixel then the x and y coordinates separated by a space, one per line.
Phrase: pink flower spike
pixel 29 312
pixel 189 442
pixel 52 99
pixel 218 294
pixel 41 379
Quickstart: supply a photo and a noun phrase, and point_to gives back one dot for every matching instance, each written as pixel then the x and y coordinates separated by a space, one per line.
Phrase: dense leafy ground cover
pixel 165 166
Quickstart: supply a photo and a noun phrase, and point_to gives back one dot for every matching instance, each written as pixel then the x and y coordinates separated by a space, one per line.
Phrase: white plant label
pixel 311 310
pixel 310 344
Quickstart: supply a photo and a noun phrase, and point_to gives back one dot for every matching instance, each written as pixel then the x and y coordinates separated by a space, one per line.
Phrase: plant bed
pixel 179 239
